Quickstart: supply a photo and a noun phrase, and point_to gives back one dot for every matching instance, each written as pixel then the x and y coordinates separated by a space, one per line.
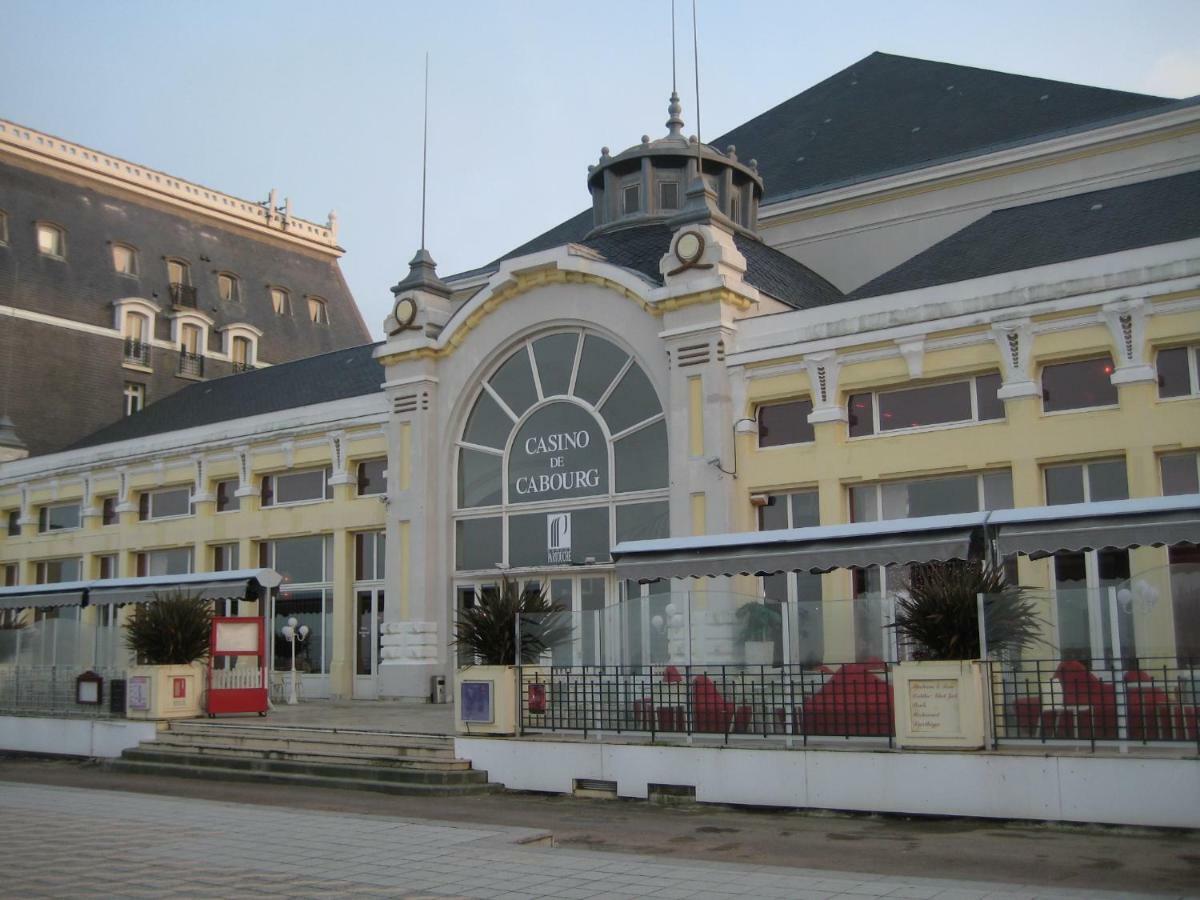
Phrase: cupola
pixel 649 181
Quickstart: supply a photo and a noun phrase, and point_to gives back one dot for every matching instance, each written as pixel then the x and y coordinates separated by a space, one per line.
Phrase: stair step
pixel 332 756
pixel 146 767
pixel 303 744
pixel 324 770
pixel 316 735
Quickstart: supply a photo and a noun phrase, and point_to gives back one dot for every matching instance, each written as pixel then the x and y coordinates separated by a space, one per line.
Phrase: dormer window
pixel 631 199
pixel 51 240
pixel 179 281
pixel 281 302
pixel 243 354
pixel 124 259
pixel 227 287
pixel 318 312
pixel 668 195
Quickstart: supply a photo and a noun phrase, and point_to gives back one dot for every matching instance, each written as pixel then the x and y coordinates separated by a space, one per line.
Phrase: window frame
pixel 1085 465
pixel 133 259
pixel 318 310
pixel 269 486
pixel 1193 362
pixel 235 290
pixel 231 499
pixel 62 239
pixel 758 435
pixel 972 381
pixel 44 516
pixel 626 187
pixel 133 395
pixel 678 185
pixel 358 476
pixel 3 228
pixel 1177 454
pixel 40 567
pixel 980 491
pixel 146 503
pixel 1043 366
pixel 141 559
pixel 185 269
pixel 284 308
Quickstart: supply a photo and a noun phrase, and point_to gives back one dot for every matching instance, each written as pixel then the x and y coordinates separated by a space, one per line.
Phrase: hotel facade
pixel 915 289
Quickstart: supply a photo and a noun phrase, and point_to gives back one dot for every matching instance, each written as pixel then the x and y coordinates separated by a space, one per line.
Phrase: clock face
pixel 689 247
pixel 404 312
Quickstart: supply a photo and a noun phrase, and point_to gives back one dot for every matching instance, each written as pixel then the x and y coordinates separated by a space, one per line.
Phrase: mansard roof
pixel 339 375
pixel 1160 211
pixel 83 286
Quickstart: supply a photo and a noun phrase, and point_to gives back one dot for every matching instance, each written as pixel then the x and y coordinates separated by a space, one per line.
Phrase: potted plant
pixel 760 623
pixel 940 693
pixel 169 638
pixel 486 631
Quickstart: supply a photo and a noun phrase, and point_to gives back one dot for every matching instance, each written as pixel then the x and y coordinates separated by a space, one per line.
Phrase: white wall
pixel 72 737
pixel 1098 788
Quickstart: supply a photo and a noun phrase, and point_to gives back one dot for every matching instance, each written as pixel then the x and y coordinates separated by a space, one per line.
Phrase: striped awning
pixel 240 583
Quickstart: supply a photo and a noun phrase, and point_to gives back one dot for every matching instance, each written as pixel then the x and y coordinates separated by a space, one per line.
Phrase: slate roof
pixel 1038 234
pixel 887 114
pixel 317 379
pixel 83 286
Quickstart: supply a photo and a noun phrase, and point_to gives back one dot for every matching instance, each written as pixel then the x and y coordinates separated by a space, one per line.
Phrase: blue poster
pixel 475 701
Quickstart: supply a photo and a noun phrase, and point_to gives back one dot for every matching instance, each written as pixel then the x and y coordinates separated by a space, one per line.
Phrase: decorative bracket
pixel 1126 320
pixel 1014 339
pixel 823 370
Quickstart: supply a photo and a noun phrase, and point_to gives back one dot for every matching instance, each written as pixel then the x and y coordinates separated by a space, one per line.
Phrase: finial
pixel 645 140
pixel 604 157
pixel 731 152
pixel 674 122
pixel 753 164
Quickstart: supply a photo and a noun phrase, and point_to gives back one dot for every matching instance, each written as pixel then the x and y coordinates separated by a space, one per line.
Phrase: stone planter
pixel 759 653
pixel 485 700
pixel 940 705
pixel 164 692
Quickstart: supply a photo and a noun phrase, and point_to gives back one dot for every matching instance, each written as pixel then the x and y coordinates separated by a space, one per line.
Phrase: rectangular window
pixel 1084 384
pixel 931 496
pixel 56 571
pixel 175 561
pixel 973 400
pixel 281 302
pixel 225 557
pixel 108 511
pixel 372 476
pixel 668 195
pixel 227 498
pixel 785 423
pixel 227 288
pixel 369 555
pixel 1178 372
pixel 14 523
pixel 631 199
pixel 166 504
pixel 300 560
pixel 295 487
pixel 60 517
pixel 124 260
pixel 106 566
pixel 135 397
pixel 51 242
pixel 318 312
pixel 797 510
pixel 1088 482
pixel 10 575
pixel 1180 473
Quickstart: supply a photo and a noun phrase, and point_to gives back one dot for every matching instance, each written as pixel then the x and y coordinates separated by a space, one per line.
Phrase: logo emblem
pixel 558 538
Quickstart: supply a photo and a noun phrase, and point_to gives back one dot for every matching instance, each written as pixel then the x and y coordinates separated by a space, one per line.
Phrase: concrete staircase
pixel 385 762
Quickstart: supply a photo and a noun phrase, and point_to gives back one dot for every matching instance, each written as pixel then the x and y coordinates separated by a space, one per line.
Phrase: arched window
pixel 124 259
pixel 137 338
pixel 281 301
pixel 178 272
pixel 227 287
pixel 563 452
pixel 51 240
pixel 243 354
pixel 318 312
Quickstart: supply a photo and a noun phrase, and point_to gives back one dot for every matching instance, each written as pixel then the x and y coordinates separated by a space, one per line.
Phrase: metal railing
pixel 191 364
pixel 727 701
pixel 50 690
pixel 137 351
pixel 183 295
pixel 242 367
pixel 1149 700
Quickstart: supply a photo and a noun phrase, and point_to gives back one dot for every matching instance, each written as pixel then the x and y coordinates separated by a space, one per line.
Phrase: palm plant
pixel 760 621
pixel 173 630
pixel 938 612
pixel 488 629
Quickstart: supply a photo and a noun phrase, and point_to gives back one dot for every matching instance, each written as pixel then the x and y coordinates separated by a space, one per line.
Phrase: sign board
pixel 558 539
pixel 933 705
pixel 475 701
pixel 235 637
pixel 137 693
pixel 559 452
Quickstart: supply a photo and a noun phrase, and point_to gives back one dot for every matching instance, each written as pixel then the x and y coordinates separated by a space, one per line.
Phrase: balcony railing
pixel 242 367
pixel 137 351
pixel 183 295
pixel 191 364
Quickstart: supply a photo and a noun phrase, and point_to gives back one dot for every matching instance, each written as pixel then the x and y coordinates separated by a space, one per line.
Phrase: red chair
pixel 1149 708
pixel 712 713
pixel 1097 698
pixel 854 702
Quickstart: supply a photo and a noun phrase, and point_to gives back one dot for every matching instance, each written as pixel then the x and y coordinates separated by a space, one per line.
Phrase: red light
pixel 1108 370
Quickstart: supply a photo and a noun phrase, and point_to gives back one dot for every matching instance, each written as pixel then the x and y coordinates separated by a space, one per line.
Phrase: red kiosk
pixel 236 684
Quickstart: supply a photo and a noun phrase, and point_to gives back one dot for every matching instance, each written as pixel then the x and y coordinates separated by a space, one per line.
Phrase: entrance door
pixel 587 597
pixel 368 614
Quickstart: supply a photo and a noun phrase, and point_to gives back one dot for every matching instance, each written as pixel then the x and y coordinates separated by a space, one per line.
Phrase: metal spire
pixel 424 150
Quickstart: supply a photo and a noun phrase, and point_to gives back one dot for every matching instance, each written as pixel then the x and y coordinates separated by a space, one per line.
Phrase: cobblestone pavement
pixel 74 842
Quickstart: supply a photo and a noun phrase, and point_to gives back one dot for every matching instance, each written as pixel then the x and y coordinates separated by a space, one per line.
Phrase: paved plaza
pixel 72 842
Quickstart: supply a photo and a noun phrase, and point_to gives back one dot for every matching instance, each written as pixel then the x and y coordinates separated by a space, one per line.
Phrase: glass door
pixel 586 597
pixel 368 614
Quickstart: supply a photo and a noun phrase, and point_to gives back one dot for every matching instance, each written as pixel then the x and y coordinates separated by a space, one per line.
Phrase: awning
pixel 112 591
pixel 815 549
pixel 1042 531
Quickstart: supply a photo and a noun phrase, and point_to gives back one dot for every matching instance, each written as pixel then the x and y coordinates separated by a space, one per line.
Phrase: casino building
pixel 913 289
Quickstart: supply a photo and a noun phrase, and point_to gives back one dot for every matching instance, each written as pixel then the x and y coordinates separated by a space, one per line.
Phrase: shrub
pixel 939 613
pixel 172 630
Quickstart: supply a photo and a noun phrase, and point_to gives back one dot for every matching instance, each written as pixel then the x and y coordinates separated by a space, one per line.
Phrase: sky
pixel 323 101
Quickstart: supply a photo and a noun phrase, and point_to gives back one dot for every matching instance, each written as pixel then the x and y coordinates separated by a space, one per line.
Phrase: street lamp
pixel 293 636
